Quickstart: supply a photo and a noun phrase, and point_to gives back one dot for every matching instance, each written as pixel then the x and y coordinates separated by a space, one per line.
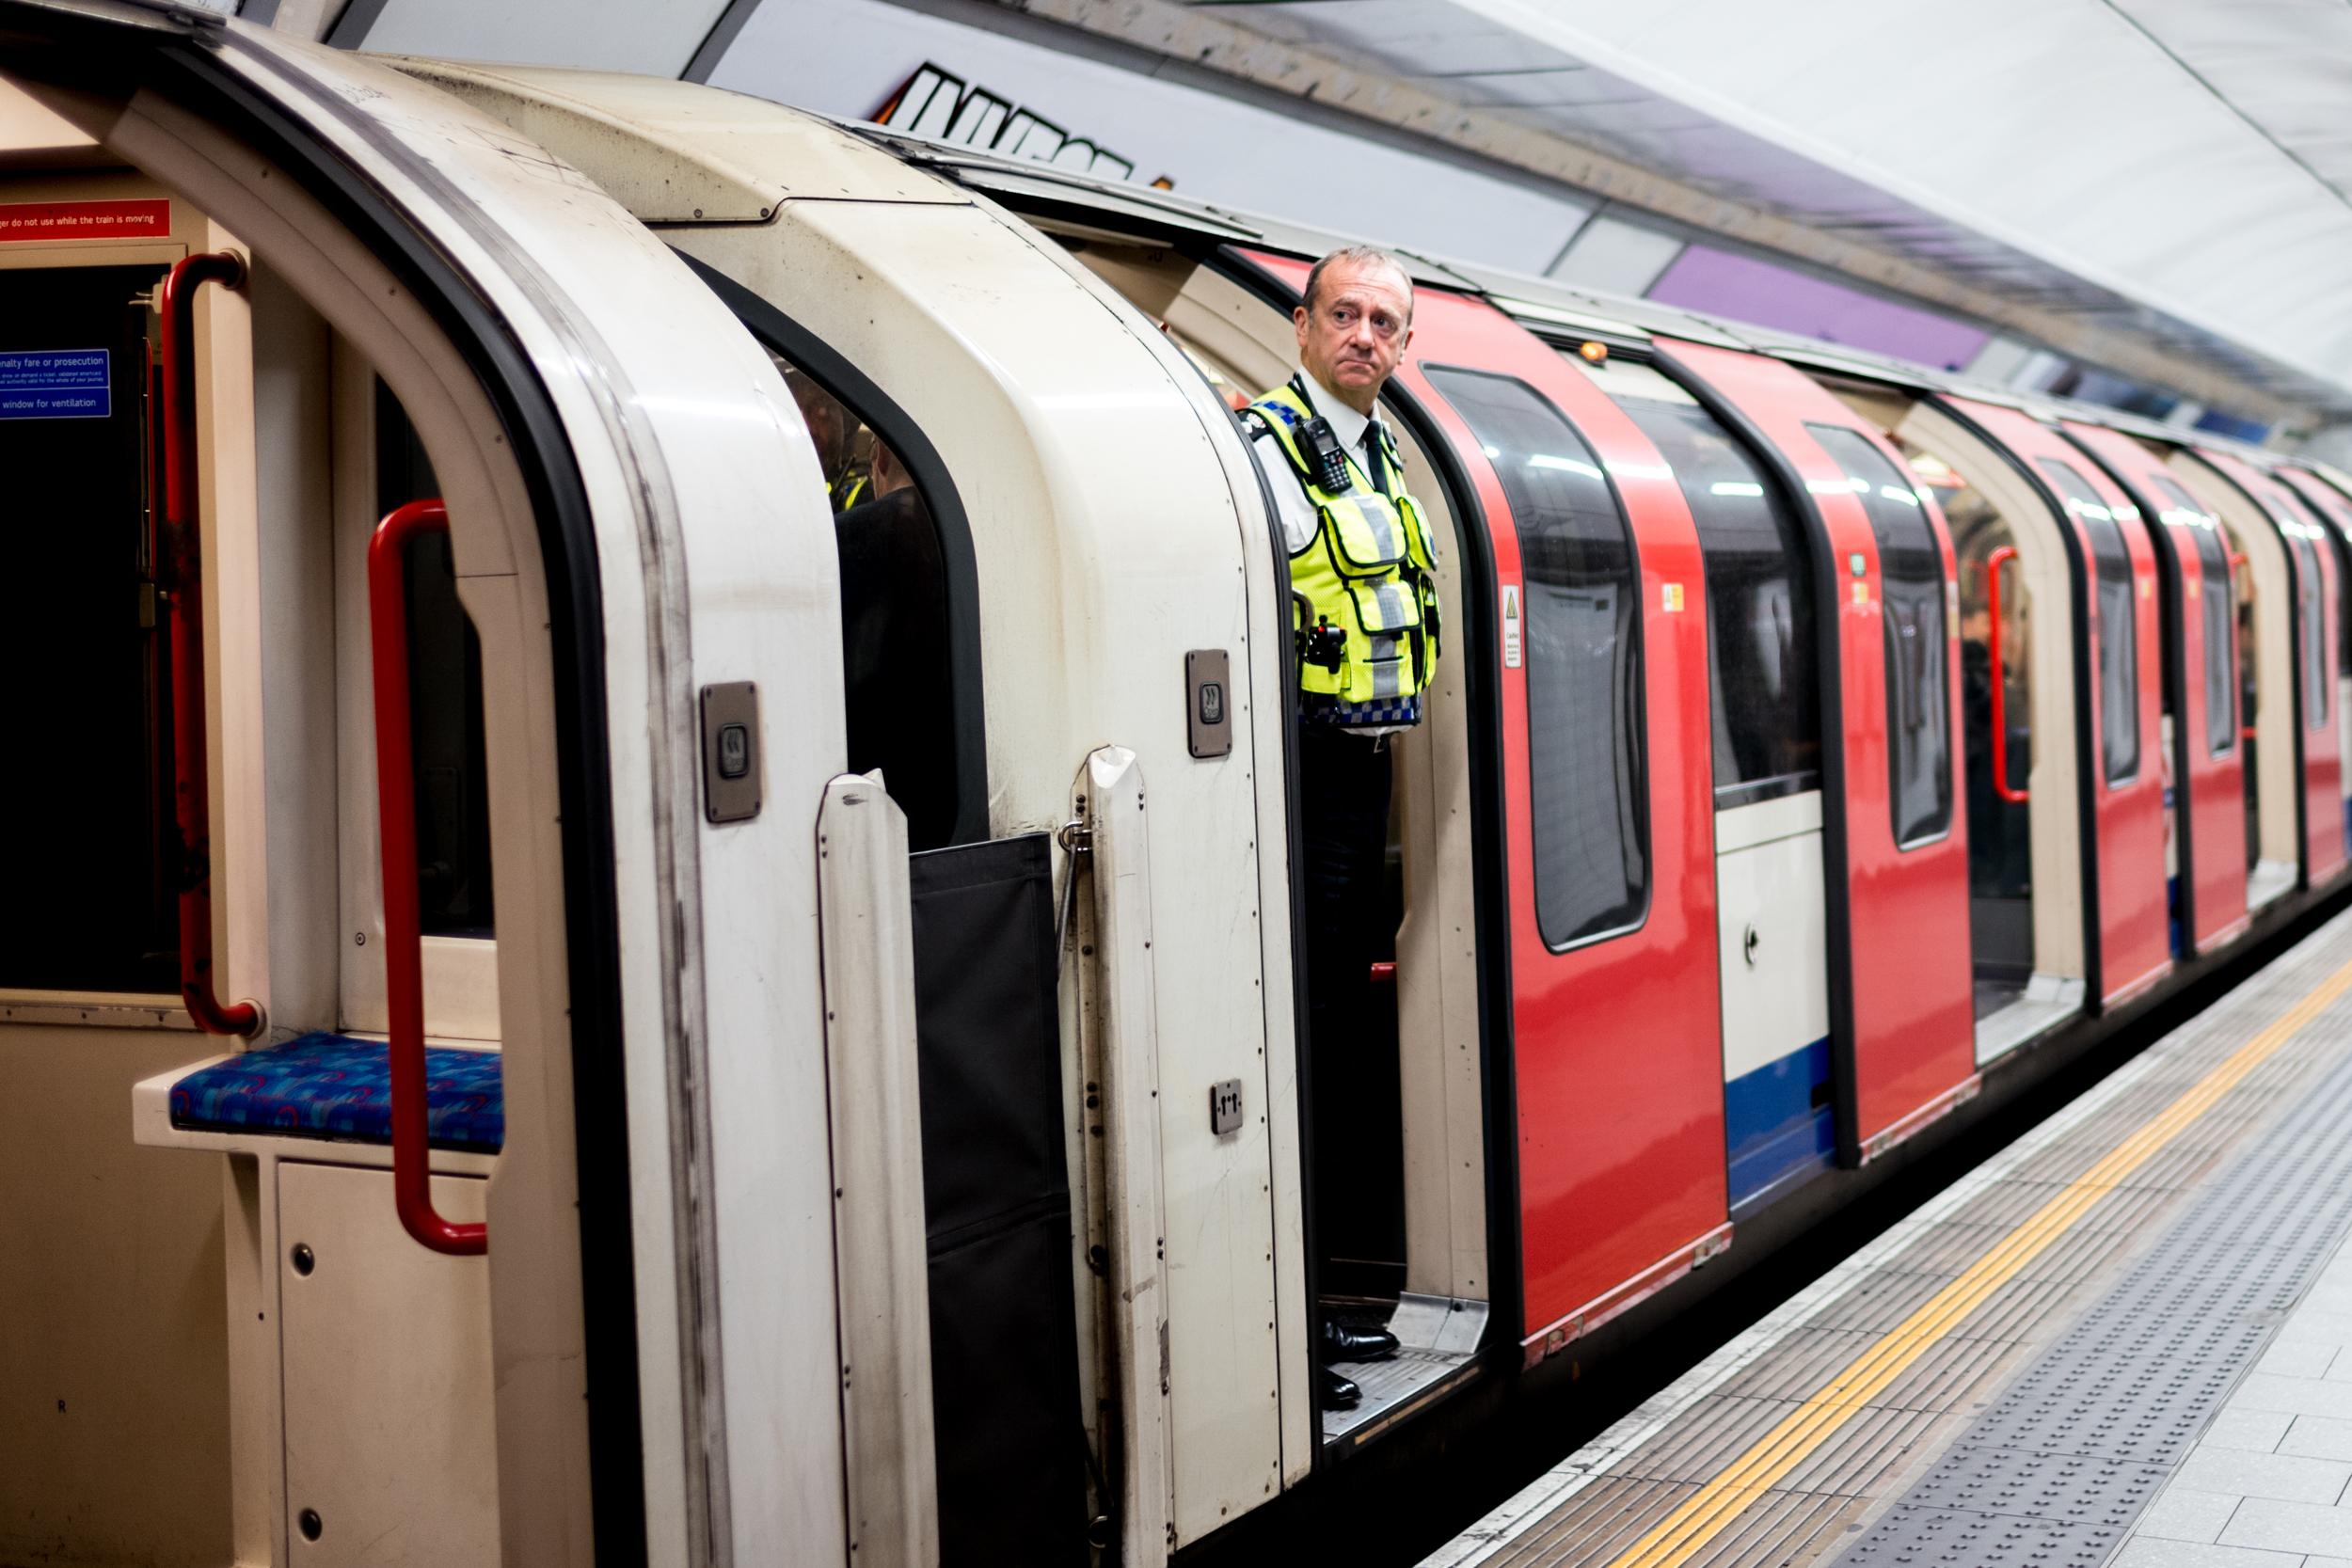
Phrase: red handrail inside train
pixel 403 926
pixel 2001 786
pixel 192 790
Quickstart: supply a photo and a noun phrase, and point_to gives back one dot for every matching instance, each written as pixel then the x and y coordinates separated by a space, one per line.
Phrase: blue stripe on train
pixel 1772 1126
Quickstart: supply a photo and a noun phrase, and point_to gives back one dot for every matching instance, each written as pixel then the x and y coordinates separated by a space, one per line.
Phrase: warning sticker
pixel 1510 626
pixel 24 221
pixel 55 384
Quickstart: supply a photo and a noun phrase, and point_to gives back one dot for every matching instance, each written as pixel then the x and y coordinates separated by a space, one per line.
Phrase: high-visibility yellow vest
pixel 1364 593
pixel 846 491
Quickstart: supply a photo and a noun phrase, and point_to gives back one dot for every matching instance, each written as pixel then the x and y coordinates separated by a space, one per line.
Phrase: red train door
pixel 2335 516
pixel 1601 657
pixel 2120 676
pixel 2312 561
pixel 2208 762
pixel 1902 1026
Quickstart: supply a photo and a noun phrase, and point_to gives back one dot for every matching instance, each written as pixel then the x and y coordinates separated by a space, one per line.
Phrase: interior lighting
pixel 1592 353
pixel 1735 487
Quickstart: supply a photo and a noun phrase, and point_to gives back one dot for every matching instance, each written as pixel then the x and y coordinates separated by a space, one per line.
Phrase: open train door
pixel 640 538
pixel 1901 1025
pixel 2314 607
pixel 2119 704
pixel 2330 506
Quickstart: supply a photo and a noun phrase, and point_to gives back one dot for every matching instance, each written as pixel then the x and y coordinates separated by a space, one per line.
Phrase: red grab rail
pixel 404 927
pixel 2001 786
pixel 190 762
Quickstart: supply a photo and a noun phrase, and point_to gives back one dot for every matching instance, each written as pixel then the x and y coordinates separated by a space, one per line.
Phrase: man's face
pixel 1356 333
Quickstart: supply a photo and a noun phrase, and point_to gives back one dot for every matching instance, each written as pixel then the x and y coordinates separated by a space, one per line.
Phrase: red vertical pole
pixel 403 926
pixel 186 574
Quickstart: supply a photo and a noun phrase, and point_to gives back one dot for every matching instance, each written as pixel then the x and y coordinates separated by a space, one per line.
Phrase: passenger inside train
pixel 894 611
pixel 1362 567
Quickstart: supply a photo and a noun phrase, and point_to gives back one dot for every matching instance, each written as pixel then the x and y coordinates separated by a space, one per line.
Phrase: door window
pixel 1584 652
pixel 2311 611
pixel 2116 623
pixel 896 649
pixel 453 776
pixel 1760 607
pixel 1918 687
pixel 2217 610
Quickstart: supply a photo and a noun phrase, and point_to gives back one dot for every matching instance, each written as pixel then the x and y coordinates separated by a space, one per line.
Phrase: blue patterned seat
pixel 332 1087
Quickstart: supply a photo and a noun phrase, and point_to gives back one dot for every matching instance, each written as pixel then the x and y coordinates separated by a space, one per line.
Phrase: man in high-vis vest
pixel 1364 622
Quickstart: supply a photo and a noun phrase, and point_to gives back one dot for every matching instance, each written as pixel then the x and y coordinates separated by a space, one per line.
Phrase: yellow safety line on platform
pixel 1716 1505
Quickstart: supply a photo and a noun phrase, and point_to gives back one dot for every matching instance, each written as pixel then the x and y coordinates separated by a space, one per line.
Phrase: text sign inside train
pixel 55 384
pixel 25 221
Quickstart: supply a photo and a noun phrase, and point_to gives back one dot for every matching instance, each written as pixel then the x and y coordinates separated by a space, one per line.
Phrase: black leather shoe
pixel 1342 1343
pixel 1339 1393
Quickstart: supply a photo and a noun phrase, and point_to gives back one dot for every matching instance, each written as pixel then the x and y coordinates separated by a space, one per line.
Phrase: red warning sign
pixel 22 221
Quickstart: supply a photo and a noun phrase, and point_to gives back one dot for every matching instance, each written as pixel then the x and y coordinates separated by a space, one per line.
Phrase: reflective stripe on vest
pixel 1367 572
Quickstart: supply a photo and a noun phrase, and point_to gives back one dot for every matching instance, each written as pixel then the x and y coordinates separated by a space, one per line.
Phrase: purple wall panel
pixel 1741 288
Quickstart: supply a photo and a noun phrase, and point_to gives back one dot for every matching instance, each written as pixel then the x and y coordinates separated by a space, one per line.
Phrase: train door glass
pixel 1771 900
pixel 895 643
pixel 1997 715
pixel 2219 628
pixel 1584 653
pixel 1911 582
pixel 2313 674
pixel 452 779
pixel 456 904
pixel 89 892
pixel 2114 636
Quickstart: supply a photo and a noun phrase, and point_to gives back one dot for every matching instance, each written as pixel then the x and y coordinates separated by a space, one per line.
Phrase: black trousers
pixel 1351 1057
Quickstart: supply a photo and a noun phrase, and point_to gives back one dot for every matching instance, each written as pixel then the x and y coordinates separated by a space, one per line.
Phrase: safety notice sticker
pixel 55 384
pixel 24 221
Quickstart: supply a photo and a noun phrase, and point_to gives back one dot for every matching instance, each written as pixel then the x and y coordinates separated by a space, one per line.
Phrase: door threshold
pixel 1439 1336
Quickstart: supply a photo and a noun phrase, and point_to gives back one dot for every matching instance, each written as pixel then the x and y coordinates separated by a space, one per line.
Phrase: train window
pixel 453 776
pixel 91 903
pixel 1919 684
pixel 2311 600
pixel 2311 629
pixel 1583 640
pixel 2217 608
pixel 895 645
pixel 1759 607
pixel 2117 622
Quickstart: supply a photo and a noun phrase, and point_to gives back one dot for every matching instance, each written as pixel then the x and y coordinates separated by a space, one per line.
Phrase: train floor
pixel 2126 1338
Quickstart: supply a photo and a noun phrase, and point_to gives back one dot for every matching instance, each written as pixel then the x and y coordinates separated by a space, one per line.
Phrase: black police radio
pixel 1326 460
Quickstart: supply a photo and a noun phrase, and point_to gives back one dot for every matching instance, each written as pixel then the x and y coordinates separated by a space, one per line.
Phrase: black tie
pixel 1374 467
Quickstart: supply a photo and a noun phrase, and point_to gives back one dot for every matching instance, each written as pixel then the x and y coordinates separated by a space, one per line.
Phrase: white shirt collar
pixel 1346 423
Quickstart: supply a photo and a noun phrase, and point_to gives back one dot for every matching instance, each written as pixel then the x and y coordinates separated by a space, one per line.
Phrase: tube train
pixel 698 699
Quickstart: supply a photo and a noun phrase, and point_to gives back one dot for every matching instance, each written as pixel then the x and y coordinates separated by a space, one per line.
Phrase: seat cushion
pixel 332 1087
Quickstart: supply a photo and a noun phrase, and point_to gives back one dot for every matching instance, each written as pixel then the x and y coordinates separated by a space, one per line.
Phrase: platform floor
pixel 2073 1357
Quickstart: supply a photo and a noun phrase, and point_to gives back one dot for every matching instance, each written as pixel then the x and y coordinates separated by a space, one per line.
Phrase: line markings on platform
pixel 1719 1503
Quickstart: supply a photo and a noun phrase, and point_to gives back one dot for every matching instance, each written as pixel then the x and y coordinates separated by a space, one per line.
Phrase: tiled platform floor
pixel 2269 1483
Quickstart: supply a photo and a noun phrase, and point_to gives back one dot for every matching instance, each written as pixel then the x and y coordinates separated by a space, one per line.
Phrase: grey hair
pixel 1358 256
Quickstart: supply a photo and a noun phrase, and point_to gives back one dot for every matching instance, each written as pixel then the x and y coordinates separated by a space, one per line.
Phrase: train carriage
pixel 249 1322
pixel 737 673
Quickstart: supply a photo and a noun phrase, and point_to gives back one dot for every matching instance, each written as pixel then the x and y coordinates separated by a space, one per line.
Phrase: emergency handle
pixel 2001 786
pixel 403 926
pixel 178 556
